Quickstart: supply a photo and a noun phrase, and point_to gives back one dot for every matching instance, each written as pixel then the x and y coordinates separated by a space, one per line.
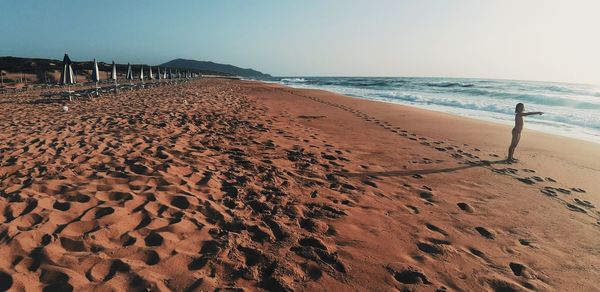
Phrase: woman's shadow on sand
pixel 412 172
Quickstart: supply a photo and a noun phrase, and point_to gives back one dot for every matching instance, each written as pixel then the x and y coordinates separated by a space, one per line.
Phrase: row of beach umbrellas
pixel 164 75
pixel 68 77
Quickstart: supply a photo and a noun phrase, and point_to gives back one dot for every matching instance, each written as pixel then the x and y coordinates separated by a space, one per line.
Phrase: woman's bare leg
pixel 513 145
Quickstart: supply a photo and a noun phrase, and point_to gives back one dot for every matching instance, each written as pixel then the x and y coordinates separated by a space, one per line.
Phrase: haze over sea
pixel 571 110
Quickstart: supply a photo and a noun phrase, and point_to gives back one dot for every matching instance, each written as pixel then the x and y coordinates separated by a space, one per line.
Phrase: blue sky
pixel 530 39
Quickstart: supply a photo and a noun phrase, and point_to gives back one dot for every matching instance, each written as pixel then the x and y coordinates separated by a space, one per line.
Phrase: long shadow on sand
pixel 483 163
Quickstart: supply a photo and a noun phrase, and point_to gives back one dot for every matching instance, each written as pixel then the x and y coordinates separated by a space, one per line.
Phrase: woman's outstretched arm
pixel 531 113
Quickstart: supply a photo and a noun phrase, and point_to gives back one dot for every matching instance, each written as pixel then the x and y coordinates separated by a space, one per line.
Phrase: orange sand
pixel 263 187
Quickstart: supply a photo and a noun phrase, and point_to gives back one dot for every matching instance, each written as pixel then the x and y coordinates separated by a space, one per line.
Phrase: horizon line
pixel 348 76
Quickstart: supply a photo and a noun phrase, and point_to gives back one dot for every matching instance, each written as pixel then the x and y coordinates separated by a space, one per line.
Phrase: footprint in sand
pixel 152 258
pixel 153 239
pixel 478 253
pixel 548 191
pixel 115 267
pixel 413 209
pixel 499 285
pixel 312 271
pixel 72 244
pixel 575 208
pixel 427 196
pixel 127 240
pixel 259 234
pixel 46 239
pixel 210 248
pixel 485 233
pixel 314 225
pixel 197 263
pixel 465 207
pixel 526 180
pixel 563 190
pixel 431 249
pixel 104 211
pixel 527 242
pixel 436 229
pixel 312 242
pixel 584 203
pixel 180 202
pixel 517 268
pixel 146 219
pixel 252 257
pixel 55 281
pixel 409 275
pixel 6 281
pixel 369 183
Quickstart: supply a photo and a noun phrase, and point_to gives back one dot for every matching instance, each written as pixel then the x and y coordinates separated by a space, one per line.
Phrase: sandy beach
pixel 229 184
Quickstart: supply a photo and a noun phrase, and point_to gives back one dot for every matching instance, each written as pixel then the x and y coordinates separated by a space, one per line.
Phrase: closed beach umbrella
pixel 96 76
pixel 67 76
pixel 142 73
pixel 113 74
pixel 150 73
pixel 165 74
pixel 158 73
pixel 95 72
pixel 129 75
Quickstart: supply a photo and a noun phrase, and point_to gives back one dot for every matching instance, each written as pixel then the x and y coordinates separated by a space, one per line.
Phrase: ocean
pixel 571 110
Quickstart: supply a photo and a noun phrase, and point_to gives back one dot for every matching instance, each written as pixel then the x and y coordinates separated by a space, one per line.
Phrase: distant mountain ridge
pixel 214 67
pixel 40 65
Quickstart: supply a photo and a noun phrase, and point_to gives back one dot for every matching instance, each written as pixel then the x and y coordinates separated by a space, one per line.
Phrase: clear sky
pixel 549 40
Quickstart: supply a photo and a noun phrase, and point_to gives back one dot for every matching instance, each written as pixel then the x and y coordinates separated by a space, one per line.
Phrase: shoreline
pixel 498 135
pixel 539 126
pixel 502 129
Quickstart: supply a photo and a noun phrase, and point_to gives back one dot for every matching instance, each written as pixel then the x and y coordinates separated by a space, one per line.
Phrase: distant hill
pixel 35 65
pixel 39 70
pixel 214 67
pixel 28 65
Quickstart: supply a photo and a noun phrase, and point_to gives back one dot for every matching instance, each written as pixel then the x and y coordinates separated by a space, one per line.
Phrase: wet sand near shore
pixel 229 184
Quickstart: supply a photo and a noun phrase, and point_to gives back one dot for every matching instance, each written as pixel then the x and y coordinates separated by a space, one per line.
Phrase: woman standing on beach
pixel 516 131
